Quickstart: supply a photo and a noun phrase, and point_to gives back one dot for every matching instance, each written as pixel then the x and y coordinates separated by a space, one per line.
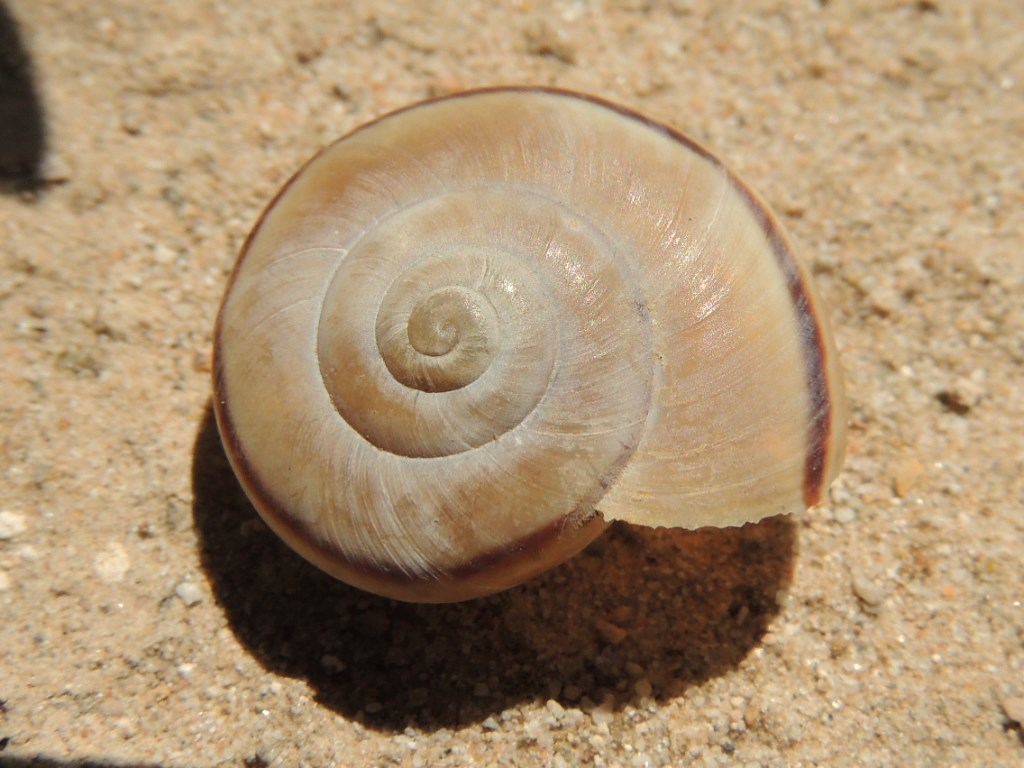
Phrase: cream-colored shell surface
pixel 467 335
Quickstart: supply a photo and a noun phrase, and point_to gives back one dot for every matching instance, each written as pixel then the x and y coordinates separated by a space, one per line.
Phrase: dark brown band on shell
pixel 819 388
pixel 510 558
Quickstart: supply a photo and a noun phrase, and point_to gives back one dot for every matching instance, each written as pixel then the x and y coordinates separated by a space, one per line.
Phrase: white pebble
pixel 112 563
pixel 871 594
pixel 605 712
pixel 845 515
pixel 125 728
pixel 189 593
pixel 556 709
pixel 11 524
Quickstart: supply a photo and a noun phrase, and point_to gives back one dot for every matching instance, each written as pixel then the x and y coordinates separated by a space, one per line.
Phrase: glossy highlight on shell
pixel 468 335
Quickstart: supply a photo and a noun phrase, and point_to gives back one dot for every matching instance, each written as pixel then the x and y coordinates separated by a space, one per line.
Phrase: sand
pixel 148 617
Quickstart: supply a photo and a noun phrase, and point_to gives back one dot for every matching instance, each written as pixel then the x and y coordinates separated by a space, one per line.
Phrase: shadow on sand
pixel 673 607
pixel 22 128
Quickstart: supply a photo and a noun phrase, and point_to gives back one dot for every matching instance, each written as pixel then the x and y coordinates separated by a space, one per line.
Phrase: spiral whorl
pixel 462 328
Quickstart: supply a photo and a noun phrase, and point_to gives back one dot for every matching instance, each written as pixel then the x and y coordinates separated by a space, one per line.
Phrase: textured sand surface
pixel 147 615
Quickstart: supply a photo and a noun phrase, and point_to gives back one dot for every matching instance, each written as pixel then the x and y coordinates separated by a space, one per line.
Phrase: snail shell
pixel 469 334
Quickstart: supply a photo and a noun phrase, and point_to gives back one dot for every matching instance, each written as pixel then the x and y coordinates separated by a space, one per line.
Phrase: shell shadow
pixel 22 128
pixel 41 761
pixel 664 608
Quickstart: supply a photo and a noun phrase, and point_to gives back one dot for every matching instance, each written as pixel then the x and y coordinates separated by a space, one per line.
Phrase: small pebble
pixel 643 688
pixel 869 593
pixel 752 713
pixel 11 524
pixel 112 563
pixel 845 515
pixel 572 692
pixel 906 475
pixel 613 633
pixel 961 397
pixel 189 592
pixel 202 361
pixel 1013 706
pixel 125 728
pixel 55 169
pixel 556 709
pixel 605 711
pixel 131 122
pixel 545 39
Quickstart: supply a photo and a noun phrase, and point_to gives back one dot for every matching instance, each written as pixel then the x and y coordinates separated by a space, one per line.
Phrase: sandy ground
pixel 148 617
